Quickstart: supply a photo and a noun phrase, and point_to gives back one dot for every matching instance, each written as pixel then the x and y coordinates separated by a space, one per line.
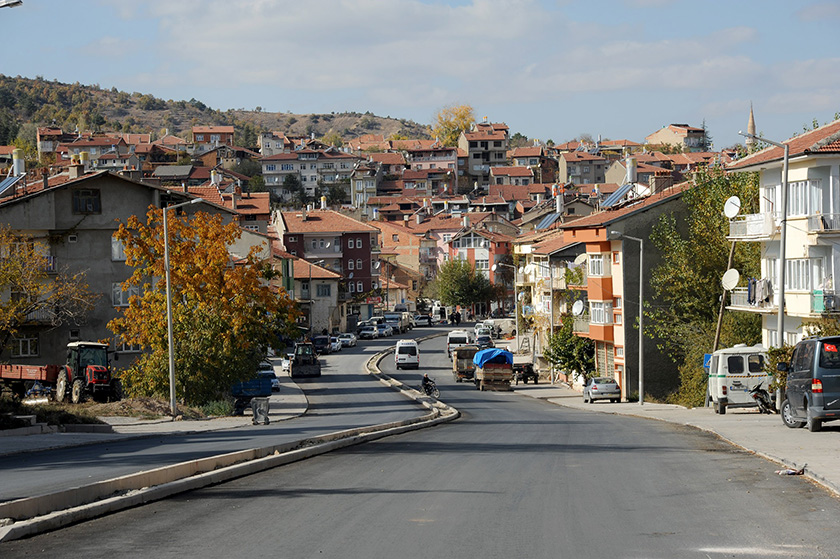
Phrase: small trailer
pixel 463 367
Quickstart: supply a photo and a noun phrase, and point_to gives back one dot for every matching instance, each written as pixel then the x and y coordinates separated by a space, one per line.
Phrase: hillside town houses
pixel 359 228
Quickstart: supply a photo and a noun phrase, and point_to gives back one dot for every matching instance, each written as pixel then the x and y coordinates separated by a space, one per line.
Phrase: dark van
pixel 321 344
pixel 812 395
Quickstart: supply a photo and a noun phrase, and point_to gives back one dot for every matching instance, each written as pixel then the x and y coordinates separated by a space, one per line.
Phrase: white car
pixel 335 344
pixel 347 339
pixel 266 369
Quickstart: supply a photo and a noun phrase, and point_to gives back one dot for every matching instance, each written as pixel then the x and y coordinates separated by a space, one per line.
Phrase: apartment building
pixel 486 146
pixel 812 221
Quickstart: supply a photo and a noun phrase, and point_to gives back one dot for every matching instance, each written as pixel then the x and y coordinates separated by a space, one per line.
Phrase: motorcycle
pixel 762 399
pixel 429 388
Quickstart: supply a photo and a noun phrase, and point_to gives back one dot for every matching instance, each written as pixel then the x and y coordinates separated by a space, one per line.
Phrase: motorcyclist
pixel 426 383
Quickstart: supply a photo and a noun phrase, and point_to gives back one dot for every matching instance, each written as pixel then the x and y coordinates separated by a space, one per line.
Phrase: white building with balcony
pixel 812 256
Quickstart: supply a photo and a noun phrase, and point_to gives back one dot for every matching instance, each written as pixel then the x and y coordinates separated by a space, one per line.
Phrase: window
pixel 596 264
pixel 803 273
pixel 617 318
pixel 351 243
pixel 600 312
pixel 117 250
pixel 26 346
pixel 120 298
pixel 804 197
pixel 86 201
pixel 321 243
pixel 323 289
pixel 619 351
pixel 271 167
pixel 129 348
pixel 447 237
pixel 199 137
pixel 314 244
pixel 292 239
pixel 351 265
pixel 482 264
pixel 358 263
pixel 395 238
pixel 287 167
pixel 359 242
pixel 360 287
pixel 617 303
pixel 616 258
pixel 351 287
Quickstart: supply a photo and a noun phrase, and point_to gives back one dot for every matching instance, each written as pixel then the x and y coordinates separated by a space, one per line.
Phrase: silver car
pixel 347 339
pixel 601 388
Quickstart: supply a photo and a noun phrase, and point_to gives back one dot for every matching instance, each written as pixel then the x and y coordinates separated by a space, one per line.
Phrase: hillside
pixel 28 103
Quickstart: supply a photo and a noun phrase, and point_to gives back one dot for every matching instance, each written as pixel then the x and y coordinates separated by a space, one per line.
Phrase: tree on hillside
pixel 450 121
pixel 333 138
pixel 687 283
pixel 225 314
pixel 24 267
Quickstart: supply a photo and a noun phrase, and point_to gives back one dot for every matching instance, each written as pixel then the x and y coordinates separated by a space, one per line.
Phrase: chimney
pixel 45 176
pixel 661 180
pixel 75 170
pixel 406 217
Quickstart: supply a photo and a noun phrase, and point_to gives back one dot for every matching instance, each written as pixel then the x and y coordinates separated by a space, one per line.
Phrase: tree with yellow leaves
pixel 25 268
pixel 450 121
pixel 225 313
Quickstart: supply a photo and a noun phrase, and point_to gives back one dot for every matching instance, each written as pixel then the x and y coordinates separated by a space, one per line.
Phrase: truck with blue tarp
pixel 493 369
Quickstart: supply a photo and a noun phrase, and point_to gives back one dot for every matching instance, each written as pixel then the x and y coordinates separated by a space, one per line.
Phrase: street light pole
pixel 173 406
pixel 619 235
pixel 782 235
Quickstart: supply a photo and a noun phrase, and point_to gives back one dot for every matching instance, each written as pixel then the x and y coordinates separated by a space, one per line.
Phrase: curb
pixel 34 515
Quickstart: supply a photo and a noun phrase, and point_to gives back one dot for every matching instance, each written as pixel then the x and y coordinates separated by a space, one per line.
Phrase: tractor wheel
pixel 77 394
pixel 61 386
pixel 116 390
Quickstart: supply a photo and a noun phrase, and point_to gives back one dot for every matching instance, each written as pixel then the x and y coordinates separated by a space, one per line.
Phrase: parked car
pixel 422 320
pixel 335 344
pixel 347 339
pixel 483 341
pixel 321 344
pixel 368 332
pixel 266 370
pixel 384 330
pixel 812 393
pixel 601 388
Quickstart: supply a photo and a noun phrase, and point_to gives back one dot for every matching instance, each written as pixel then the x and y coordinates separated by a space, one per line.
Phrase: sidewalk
pixel 765 435
pixel 288 403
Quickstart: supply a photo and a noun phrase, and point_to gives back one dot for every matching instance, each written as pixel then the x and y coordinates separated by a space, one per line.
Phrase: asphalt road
pixel 514 477
pixel 343 398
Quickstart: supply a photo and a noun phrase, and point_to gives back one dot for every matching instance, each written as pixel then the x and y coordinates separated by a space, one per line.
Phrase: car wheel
pixel 787 416
pixel 722 408
pixel 813 424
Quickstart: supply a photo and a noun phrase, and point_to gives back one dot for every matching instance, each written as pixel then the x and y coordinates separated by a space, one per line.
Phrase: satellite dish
pixel 731 207
pixel 493 267
pixel 377 264
pixel 350 276
pixel 529 269
pixel 521 296
pixel 522 269
pixel 328 244
pixel 577 308
pixel 581 259
pixel 730 279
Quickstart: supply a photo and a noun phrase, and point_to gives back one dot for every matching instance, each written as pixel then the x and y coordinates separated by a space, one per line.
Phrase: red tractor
pixel 87 373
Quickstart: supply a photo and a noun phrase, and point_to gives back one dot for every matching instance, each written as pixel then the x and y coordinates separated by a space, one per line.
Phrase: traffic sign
pixel 707 360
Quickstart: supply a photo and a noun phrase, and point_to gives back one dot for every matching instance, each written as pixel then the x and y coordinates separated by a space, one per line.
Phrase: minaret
pixel 751 130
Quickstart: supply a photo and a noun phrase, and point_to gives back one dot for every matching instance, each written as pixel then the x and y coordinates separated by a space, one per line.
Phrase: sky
pixel 549 69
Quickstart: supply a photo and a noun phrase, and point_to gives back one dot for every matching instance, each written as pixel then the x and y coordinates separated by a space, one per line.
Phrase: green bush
pixel 218 408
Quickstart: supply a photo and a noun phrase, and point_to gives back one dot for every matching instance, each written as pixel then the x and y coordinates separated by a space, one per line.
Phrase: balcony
pixel 753 227
pixel 824 223
pixel 581 325
pixel 824 301
pixel 740 300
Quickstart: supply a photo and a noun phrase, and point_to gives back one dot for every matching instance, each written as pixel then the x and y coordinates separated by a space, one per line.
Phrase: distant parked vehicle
pixel 601 388
pixel 385 330
pixel 335 344
pixel 422 320
pixel 347 339
pixel 266 370
pixel 368 332
pixel 321 344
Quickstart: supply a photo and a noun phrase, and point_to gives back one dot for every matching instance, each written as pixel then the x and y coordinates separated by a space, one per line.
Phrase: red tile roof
pixel 388 158
pixel 511 172
pixel 210 129
pixel 575 156
pixel 255 203
pixel 322 221
pixel 825 139
pixel 303 270
pixel 519 192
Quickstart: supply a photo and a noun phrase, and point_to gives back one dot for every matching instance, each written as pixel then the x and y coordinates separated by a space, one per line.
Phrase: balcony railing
pixel 581 324
pixel 825 301
pixel 740 297
pixel 824 223
pixel 753 226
